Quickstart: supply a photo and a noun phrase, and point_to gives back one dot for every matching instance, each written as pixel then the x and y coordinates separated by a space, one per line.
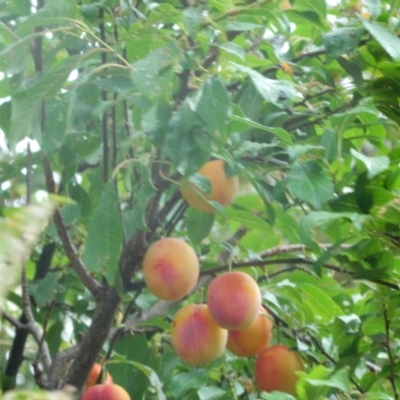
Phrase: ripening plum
pixel 223 188
pixel 94 376
pixel 106 392
pixel 234 300
pixel 170 269
pixel 276 368
pixel 249 342
pixel 196 338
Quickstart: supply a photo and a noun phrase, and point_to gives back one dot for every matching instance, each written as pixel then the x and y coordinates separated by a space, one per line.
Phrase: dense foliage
pixel 106 105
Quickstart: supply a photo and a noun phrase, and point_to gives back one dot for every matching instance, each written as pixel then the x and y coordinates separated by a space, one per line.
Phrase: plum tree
pixel 106 392
pixel 170 268
pixel 234 300
pixel 95 376
pixel 249 342
pixel 196 338
pixel 223 188
pixel 275 369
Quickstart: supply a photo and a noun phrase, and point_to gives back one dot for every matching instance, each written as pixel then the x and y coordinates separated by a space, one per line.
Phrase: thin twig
pixel 392 362
pixel 31 324
pixel 13 321
pixel 71 252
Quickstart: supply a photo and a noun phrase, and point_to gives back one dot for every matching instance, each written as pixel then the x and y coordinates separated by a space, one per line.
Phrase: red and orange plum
pixel 276 368
pixel 196 338
pixel 95 376
pixel 234 300
pixel 223 188
pixel 106 392
pixel 170 269
pixel 250 341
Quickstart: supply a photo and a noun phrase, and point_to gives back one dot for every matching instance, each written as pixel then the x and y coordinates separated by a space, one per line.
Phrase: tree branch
pixel 73 256
pixel 92 343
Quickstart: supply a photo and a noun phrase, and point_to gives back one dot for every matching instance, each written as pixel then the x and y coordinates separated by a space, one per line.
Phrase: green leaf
pixel 341 41
pixel 374 7
pixel 310 183
pixel 19 233
pixel 273 90
pixel 213 105
pixel 35 394
pixel 104 238
pixel 322 377
pixel 247 219
pixel 232 48
pixel 388 40
pixel 79 194
pixel 242 123
pixel 151 376
pixel 374 165
pixel 5 117
pixel 276 396
pixel 53 12
pixel 192 17
pixel 323 307
pixel 145 193
pixel 55 127
pixel 241 26
pixel 152 75
pixel 155 122
pixel 185 381
pixel 26 103
pixel 322 219
pixel 198 224
pixel 211 393
pixel 187 144
pixel 136 349
pixel 44 289
pixel 316 6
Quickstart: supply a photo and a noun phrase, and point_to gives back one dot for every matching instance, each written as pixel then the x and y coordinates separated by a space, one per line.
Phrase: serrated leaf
pixel 214 105
pixel 310 183
pixel 388 40
pixel 104 238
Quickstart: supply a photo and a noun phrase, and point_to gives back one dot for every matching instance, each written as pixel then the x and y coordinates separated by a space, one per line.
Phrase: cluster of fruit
pixel 233 317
